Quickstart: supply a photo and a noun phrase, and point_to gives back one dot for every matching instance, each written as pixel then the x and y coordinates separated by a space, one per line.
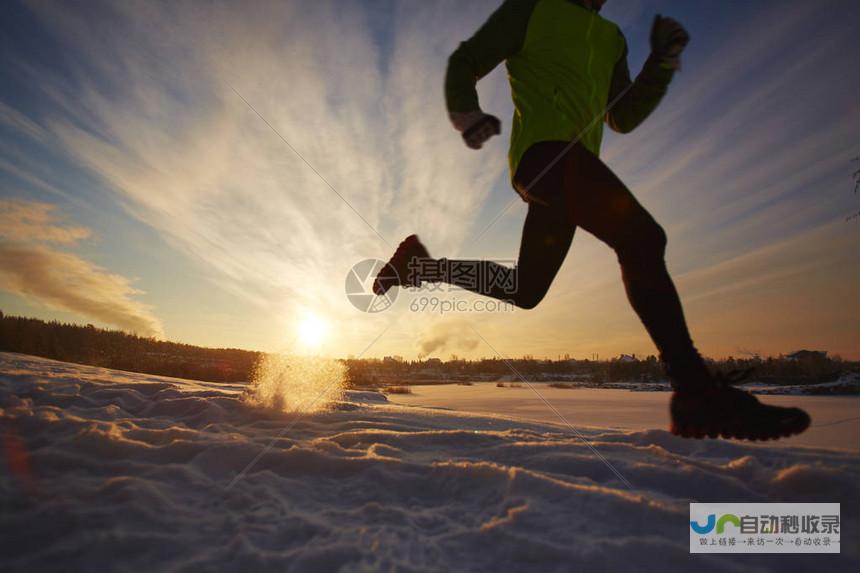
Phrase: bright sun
pixel 312 331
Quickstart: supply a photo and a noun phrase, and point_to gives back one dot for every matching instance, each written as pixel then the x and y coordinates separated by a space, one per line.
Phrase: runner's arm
pixel 499 38
pixel 643 95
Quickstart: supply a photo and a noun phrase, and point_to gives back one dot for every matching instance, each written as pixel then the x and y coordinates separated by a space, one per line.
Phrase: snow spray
pixel 296 383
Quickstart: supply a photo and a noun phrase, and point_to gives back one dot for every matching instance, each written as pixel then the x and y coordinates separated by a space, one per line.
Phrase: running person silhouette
pixel 568 73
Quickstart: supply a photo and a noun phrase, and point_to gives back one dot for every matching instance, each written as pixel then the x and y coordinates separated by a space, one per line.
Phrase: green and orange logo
pixel 712 522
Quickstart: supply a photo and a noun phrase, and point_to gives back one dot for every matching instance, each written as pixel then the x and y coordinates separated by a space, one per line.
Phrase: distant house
pixel 803 355
pixel 627 358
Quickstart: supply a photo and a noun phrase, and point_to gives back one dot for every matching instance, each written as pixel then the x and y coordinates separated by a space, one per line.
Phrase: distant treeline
pixel 122 351
pixel 776 370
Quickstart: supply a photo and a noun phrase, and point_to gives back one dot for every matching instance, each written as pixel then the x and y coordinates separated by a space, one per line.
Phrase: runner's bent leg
pixel 546 239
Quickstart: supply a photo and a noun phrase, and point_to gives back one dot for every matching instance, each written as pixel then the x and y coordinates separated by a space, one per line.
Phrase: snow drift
pixel 108 470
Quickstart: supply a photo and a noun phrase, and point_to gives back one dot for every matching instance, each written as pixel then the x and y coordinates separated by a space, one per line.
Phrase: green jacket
pixel 565 65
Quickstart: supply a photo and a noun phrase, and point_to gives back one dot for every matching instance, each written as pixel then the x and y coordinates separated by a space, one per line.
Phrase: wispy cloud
pixel 26 221
pixel 156 118
pixel 17 121
pixel 32 268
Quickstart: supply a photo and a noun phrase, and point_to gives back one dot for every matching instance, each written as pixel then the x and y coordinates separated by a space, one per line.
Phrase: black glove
pixel 476 126
pixel 668 40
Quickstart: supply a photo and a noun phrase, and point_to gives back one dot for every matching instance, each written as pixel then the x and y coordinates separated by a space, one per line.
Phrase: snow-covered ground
pixel 835 419
pixel 105 471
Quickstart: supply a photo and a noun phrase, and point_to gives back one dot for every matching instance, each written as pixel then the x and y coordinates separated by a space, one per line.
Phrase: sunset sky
pixel 138 191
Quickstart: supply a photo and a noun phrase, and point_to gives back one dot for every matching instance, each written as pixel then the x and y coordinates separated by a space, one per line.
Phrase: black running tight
pixel 579 190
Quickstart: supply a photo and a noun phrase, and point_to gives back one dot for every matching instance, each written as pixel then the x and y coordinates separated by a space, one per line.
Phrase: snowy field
pixel 835 419
pixel 111 471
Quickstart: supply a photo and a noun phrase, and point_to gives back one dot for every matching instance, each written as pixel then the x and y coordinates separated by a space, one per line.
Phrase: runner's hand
pixel 476 126
pixel 668 40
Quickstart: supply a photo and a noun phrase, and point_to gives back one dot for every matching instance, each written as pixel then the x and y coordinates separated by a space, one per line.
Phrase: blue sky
pixel 140 192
